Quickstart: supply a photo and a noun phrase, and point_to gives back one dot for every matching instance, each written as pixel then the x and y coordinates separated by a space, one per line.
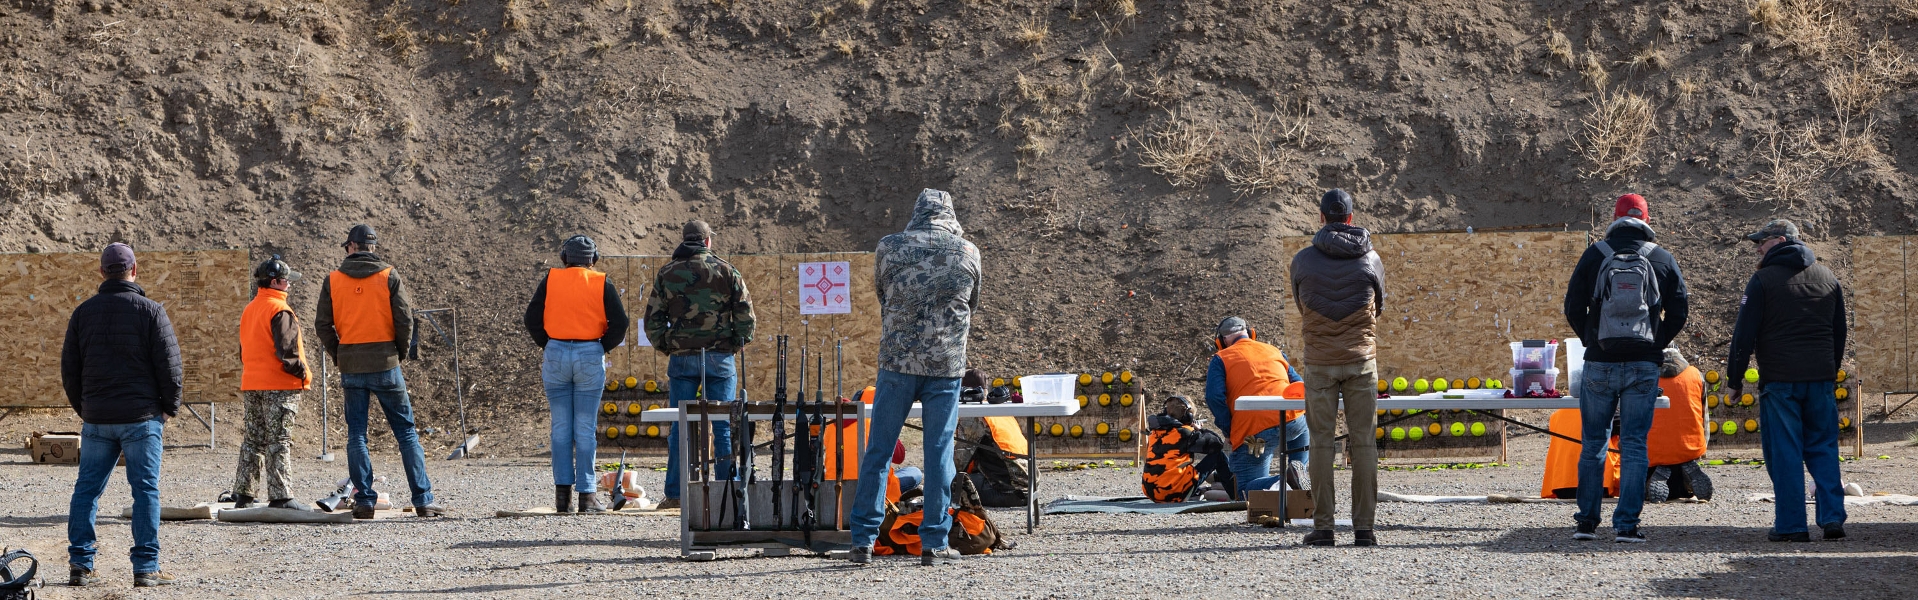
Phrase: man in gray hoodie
pixel 928 278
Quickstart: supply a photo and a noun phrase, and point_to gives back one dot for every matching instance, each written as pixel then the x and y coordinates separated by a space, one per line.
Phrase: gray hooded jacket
pixel 1339 285
pixel 928 282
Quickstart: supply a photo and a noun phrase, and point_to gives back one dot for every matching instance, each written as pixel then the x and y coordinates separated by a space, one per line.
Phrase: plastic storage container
pixel 1534 354
pixel 1526 381
pixel 1053 388
pixel 1575 365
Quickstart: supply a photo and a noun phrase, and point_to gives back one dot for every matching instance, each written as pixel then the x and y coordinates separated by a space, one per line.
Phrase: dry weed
pixel 1275 142
pixel 1651 57
pixel 1558 46
pixel 1687 87
pixel 393 30
pixel 1594 71
pixel 1809 27
pixel 502 63
pixel 1615 134
pixel 1793 162
pixel 1122 9
pixel 1855 92
pixel 1033 34
pixel 1181 150
pixel 845 46
pixel 859 5
pixel 1907 8
pixel 512 20
pixel 1029 90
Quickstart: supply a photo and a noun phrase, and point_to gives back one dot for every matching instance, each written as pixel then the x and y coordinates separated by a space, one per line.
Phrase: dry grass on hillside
pixel 1616 132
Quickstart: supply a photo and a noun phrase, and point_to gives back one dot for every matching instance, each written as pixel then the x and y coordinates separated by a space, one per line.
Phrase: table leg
pixel 1032 481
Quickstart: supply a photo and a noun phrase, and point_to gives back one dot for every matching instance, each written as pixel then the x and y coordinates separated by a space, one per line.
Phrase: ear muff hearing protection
pixel 1250 334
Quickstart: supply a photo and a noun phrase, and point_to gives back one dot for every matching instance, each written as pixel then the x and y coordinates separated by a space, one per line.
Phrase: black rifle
pixel 838 420
pixel 818 448
pixel 802 449
pixel 779 434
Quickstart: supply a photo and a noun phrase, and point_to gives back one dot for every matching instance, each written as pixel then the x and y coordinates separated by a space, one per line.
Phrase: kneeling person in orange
pixel 272 375
pixel 1561 458
pixel 1180 454
pixel 1677 439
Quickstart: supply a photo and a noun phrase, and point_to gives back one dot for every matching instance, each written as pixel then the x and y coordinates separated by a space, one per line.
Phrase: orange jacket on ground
pixel 575 304
pixel 899 535
pixel 1254 368
pixel 260 365
pixel 1678 433
pixel 1561 459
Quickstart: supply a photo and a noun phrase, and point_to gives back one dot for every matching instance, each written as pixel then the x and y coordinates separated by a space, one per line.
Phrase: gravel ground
pixel 1715 550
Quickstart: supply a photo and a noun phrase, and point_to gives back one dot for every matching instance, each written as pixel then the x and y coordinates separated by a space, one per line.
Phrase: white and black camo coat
pixel 928 279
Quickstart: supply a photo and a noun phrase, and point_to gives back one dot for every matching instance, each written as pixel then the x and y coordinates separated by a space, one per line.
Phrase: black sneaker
pixel 1834 532
pixel 78 577
pixel 1318 537
pixel 242 501
pixel 942 556
pixel 1585 533
pixel 1629 536
pixel 1700 482
pixel 861 555
pixel 1802 536
pixel 154 579
pixel 1364 537
pixel 1658 487
pixel 364 513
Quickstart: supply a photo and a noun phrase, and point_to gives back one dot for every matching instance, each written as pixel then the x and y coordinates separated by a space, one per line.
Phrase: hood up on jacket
pixel 1628 227
pixel 1674 364
pixel 1340 240
pixel 933 212
pixel 1789 254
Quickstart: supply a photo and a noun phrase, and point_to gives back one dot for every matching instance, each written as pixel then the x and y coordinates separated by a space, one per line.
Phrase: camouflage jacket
pixel 928 279
pixel 698 302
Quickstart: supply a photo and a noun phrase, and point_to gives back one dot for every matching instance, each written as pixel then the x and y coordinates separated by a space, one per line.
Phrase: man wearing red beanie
pixel 1626 301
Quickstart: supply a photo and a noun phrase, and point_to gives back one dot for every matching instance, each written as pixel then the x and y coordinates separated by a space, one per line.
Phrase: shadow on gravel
pixel 500 588
pixel 1861 537
pixel 1879 433
pixel 19 522
pixel 1768 577
pixel 1175 532
pixel 523 544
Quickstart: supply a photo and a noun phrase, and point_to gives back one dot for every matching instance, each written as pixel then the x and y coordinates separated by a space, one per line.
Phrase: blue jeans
pixel 909 478
pixel 1798 424
pixel 1630 389
pixel 892 401
pixel 683 381
pixel 390 386
pixel 1248 469
pixel 100 448
pixel 575 377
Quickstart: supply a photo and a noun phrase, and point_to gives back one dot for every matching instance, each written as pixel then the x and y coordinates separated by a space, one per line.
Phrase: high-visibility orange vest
pixel 362 308
pixel 575 304
pixel 1561 458
pixel 848 443
pixel 1007 435
pixel 1168 475
pixel 1678 433
pixel 1254 368
pixel 259 359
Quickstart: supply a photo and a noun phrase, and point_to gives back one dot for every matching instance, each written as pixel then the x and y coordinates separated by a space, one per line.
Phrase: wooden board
pixel 204 292
pixel 1881 294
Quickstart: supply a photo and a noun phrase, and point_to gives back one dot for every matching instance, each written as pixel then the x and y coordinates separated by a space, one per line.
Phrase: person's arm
pixel 1578 295
pixel 655 316
pixel 1838 329
pixel 1291 374
pixel 402 303
pixel 1676 300
pixel 71 365
pixel 1215 394
pixel 165 355
pixel 286 343
pixel 323 321
pixel 742 310
pixel 1378 284
pixel 1751 311
pixel 616 320
pixel 535 319
pixel 978 279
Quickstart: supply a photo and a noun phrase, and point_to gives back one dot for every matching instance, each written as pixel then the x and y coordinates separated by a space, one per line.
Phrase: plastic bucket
pixel 1052 388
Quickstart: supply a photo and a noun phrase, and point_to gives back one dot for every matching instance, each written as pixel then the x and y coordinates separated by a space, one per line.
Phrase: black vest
pixel 1795 336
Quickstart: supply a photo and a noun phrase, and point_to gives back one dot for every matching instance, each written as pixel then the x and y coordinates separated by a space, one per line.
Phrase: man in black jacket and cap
pixel 1793 314
pixel 121 369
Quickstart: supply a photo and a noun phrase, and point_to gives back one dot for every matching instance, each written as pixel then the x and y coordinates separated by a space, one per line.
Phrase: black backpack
pixel 18 586
pixel 1626 291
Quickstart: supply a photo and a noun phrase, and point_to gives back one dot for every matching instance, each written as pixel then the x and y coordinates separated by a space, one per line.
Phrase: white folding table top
pixel 1405 402
pixel 667 415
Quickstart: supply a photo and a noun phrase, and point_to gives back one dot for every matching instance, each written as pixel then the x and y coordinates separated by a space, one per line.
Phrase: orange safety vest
pixel 259 359
pixel 1254 368
pixel 1678 433
pixel 362 308
pixel 1168 475
pixel 1561 459
pixel 575 304
pixel 848 443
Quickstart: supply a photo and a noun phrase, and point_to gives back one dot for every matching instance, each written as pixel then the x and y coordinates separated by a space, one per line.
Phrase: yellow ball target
pixel 1728 427
pixel 612 386
pixel 1398 411
pixel 1434 429
pixel 1381 413
pixel 1106 378
pixel 1844 422
pixel 1078 431
pixel 1057 430
pixel 652 386
pixel 609 408
pixel 1102 428
pixel 1746 400
pixel 612 432
pixel 632 431
pixel 652 406
pixel 1382 385
pixel 1841 393
pixel 1125 435
pixel 1125 377
pixel 1711 401
pixel 1105 399
pixel 1711 377
pixel 1458 384
pixel 633 408
pixel 652 431
pixel 1842 376
pixel 1474 383
pixel 1083 401
pixel 1038 429
pixel 1751 425
pixel 631 382
pixel 1125 400
pixel 1378 433
pixel 1085 379
pixel 998 381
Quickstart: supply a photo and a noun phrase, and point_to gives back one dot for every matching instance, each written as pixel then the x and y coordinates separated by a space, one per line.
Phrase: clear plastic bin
pixel 1526 381
pixel 1534 354
pixel 1575 365
pixel 1054 388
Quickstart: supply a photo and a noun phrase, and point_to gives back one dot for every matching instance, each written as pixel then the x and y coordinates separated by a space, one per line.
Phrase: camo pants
pixel 268 443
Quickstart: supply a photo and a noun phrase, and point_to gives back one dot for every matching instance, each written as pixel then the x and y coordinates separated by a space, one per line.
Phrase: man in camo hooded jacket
pixel 928 279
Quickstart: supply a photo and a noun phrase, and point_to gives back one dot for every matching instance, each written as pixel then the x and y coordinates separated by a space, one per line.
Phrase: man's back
pixel 1799 332
pixel 1339 285
pixel 698 302
pixel 928 279
pixel 121 363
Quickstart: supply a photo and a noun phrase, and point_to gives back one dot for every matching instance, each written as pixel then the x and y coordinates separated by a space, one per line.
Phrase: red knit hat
pixel 1632 205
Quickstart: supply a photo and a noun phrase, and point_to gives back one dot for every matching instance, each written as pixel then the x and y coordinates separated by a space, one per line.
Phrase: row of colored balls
pixel 614 432
pixel 614 385
pixel 1106 400
pixel 1061 430
pixel 1123 377
pixel 632 408
pixel 1731 426
pixel 1458 429
pixel 1751 376
pixel 1422 385
pixel 1747 399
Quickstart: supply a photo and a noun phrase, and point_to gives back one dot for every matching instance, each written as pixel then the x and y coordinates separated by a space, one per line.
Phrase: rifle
pixel 779 434
pixel 742 461
pixel 705 447
pixel 838 421
pixel 802 455
pixel 819 448
pixel 619 482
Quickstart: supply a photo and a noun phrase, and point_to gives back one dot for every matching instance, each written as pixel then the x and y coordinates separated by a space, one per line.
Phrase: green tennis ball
pixel 1720 463
pixel 1751 375
pixel 1729 427
pixel 1398 434
pixel 1494 385
pixel 1398 384
pixel 1478 429
pixel 1440 384
pixel 1416 433
pixel 1458 429
pixel 1411 411
pixel 1422 385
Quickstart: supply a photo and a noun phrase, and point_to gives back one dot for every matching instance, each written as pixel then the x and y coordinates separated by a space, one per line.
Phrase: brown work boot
pixel 669 503
pixel 78 577
pixel 364 512
pixel 430 510
pixel 589 503
pixel 1318 537
pixel 562 499
pixel 154 579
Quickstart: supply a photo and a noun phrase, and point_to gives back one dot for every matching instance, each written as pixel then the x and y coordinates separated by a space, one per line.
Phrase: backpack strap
pixel 1603 247
pixel 11 581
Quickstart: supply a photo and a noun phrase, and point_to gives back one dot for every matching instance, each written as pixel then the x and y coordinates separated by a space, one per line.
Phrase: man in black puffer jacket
pixel 1793 314
pixel 122 373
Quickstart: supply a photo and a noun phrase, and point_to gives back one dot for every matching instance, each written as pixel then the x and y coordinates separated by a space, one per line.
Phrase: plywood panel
pixel 204 292
pixel 1880 299
pixel 1455 300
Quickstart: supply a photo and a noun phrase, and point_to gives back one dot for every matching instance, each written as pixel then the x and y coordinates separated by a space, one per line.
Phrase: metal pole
pixel 459 392
pixel 326 446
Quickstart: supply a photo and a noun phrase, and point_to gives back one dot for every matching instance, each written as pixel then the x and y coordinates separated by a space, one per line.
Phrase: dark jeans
pixel 390 386
pixel 101 447
pixel 1631 390
pixel 683 380
pixel 892 401
pixel 1798 424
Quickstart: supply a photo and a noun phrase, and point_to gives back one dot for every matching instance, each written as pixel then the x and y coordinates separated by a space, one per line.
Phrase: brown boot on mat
pixel 589 503
pixel 562 499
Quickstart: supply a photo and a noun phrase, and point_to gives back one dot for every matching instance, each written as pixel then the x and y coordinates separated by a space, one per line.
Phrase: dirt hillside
pixel 1124 164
